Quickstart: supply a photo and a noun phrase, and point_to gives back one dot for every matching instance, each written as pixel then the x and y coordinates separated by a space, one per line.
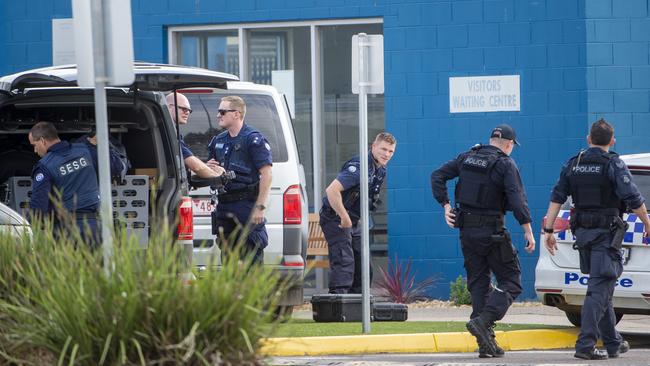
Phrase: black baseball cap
pixel 504 131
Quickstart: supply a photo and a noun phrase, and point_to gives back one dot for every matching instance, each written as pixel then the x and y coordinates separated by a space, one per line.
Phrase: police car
pixel 558 280
pixel 12 223
pixel 286 213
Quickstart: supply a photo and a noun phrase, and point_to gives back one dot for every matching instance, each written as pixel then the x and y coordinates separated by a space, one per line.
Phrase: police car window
pixel 642 181
pixel 261 114
pixel 568 204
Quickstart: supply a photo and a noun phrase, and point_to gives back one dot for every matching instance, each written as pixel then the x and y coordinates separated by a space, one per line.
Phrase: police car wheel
pixel 575 317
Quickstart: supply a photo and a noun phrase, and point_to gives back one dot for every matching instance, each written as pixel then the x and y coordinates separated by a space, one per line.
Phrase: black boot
pixel 481 330
pixel 482 352
pixel 622 348
pixel 594 354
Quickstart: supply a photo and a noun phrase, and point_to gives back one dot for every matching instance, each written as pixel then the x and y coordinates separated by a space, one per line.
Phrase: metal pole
pixel 101 120
pixel 363 157
pixel 317 116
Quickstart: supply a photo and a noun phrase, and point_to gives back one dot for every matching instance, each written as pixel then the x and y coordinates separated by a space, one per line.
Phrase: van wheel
pixel 575 317
pixel 283 313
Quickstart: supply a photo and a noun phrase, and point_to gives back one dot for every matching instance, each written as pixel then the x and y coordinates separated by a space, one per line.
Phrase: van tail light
pixel 185 222
pixel 287 263
pixel 292 211
pixel 559 225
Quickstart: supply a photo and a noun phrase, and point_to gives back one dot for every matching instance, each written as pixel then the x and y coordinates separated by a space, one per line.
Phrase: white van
pixel 287 224
pixel 558 280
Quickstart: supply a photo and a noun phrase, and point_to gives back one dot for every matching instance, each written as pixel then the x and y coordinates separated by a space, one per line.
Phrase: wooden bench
pixel 316 244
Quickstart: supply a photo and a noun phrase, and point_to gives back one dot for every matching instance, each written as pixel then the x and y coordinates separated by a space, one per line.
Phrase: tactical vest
pixel 590 186
pixel 232 154
pixel 475 189
pixel 74 175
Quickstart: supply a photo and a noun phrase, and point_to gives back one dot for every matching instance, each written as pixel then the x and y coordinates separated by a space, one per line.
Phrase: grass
pixel 309 328
pixel 56 303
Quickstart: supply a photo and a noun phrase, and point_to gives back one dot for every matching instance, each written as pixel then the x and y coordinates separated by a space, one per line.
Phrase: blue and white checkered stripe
pixel 634 232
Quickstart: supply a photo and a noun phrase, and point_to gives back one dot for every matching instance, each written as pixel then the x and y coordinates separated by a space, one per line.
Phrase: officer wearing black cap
pixel 488 185
pixel 341 211
pixel 601 188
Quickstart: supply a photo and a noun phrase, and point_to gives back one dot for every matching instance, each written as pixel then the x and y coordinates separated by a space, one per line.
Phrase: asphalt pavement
pixel 636 357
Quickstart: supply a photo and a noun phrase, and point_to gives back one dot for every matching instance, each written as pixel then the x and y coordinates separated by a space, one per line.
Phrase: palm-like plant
pixel 399 283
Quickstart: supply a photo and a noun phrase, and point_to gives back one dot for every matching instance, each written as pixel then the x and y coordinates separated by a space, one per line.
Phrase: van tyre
pixel 575 317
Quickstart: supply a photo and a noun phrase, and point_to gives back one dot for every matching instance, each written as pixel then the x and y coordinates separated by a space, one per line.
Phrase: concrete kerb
pixel 515 340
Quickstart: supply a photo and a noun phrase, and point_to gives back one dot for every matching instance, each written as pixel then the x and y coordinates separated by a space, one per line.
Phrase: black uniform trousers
pixel 482 259
pixel 344 247
pixel 597 318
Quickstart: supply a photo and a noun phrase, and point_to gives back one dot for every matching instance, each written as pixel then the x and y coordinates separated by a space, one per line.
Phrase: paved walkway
pixel 529 314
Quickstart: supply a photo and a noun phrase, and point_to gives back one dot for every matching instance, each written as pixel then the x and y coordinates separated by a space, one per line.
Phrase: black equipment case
pixel 337 307
pixel 389 312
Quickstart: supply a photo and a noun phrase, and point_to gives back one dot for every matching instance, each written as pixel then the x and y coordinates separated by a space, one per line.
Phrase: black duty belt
pixel 85 215
pixel 593 220
pixel 470 220
pixel 249 193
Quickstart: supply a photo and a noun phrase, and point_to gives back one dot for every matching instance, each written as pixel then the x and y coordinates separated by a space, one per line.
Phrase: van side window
pixel 261 114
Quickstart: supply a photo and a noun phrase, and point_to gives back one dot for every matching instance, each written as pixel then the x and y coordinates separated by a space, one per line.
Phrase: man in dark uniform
pixel 69 171
pixel 118 161
pixel 488 185
pixel 341 211
pixel 192 163
pixel 245 151
pixel 601 188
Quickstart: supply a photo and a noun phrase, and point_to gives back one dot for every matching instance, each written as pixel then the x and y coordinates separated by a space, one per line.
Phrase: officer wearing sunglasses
pixel 244 150
pixel 191 162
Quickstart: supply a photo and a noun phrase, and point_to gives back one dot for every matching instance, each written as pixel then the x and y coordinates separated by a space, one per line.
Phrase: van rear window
pixel 261 114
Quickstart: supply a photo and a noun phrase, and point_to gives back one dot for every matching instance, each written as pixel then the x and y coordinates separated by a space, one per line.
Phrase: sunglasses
pixel 185 109
pixel 224 111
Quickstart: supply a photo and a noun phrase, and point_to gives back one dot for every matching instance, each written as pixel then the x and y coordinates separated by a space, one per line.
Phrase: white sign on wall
pixel 62 42
pixel 499 93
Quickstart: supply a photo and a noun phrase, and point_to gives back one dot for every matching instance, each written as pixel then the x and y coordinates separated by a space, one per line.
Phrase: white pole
pixel 363 157
pixel 101 120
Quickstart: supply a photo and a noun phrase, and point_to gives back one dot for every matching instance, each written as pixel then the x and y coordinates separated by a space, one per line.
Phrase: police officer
pixel 601 188
pixel 245 151
pixel 67 170
pixel 488 185
pixel 341 211
pixel 118 161
pixel 183 111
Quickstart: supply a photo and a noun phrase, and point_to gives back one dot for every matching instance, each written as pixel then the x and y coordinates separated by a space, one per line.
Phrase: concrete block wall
pixel 618 69
pixel 543 42
pixel 577 59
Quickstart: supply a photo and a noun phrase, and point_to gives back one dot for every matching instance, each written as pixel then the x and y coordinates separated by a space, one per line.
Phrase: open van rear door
pixel 148 77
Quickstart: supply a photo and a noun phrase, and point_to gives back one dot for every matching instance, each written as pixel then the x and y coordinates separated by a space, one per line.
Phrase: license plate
pixel 626 254
pixel 202 207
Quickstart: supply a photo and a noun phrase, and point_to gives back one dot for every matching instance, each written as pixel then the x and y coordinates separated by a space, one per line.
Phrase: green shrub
pixel 459 293
pixel 57 306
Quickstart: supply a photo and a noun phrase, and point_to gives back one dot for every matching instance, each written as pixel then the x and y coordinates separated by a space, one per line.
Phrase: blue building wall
pixel 578 60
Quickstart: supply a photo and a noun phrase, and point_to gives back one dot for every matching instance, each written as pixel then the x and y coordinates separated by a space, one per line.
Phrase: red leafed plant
pixel 398 283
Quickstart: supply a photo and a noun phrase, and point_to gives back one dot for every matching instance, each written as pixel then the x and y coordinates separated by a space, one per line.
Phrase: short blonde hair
pixel 386 136
pixel 237 103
